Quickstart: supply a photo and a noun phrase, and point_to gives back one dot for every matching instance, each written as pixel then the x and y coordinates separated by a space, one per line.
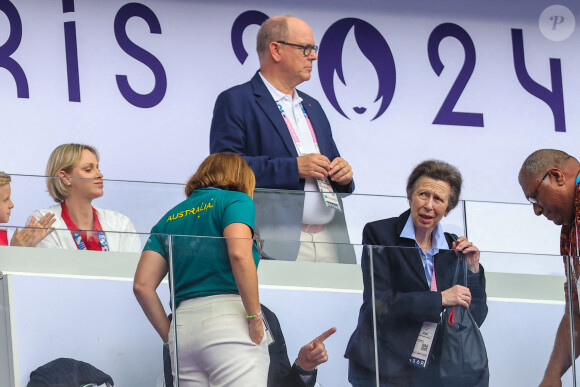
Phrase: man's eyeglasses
pixel 533 198
pixel 307 50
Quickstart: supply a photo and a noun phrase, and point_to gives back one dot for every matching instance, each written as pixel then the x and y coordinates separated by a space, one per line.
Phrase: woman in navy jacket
pixel 409 294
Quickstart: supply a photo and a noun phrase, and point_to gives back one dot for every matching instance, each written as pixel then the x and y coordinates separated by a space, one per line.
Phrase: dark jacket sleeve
pixel 280 373
pixel 237 127
pixel 390 277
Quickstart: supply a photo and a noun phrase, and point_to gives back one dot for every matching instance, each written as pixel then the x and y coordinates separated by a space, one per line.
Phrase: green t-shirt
pixel 201 264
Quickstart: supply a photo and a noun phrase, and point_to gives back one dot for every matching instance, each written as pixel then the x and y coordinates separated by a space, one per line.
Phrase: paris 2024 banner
pixel 477 84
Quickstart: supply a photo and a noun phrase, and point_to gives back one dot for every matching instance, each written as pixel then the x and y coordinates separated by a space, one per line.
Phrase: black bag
pixel 463 360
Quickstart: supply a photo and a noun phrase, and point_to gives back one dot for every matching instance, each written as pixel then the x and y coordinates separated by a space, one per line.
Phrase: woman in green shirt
pixel 220 335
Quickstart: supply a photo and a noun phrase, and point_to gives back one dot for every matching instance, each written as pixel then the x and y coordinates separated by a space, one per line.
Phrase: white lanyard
pixel 324 186
pixel 420 355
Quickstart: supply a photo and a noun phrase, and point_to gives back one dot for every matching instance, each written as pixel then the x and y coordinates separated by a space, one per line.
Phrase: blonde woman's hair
pixel 64 158
pixel 4 178
pixel 223 170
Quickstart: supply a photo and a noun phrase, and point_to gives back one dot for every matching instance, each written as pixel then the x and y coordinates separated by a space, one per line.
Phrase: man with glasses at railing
pixel 286 138
pixel 550 180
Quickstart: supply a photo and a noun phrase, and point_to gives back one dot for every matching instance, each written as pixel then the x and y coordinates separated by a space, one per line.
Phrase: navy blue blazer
pixel 247 121
pixel 403 297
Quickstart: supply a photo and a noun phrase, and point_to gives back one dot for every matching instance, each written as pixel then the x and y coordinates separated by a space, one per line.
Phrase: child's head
pixel 5 203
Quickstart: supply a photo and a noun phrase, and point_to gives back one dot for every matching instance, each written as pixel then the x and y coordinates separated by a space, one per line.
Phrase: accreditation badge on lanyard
pixel 420 356
pixel 76 235
pixel 324 186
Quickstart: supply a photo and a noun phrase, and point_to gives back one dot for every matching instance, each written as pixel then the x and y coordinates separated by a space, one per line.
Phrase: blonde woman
pixel 74 181
pixel 219 322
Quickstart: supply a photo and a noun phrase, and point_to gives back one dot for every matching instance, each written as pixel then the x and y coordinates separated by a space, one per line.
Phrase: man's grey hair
pixel 541 161
pixel 273 30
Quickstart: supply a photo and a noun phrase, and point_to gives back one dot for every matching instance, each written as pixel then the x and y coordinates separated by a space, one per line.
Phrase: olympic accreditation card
pixel 330 198
pixel 420 356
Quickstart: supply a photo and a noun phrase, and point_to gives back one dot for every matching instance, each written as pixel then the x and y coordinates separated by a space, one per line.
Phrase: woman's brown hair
pixel 437 170
pixel 227 171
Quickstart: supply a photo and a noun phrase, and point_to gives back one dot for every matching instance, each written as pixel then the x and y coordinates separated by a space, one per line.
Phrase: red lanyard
pixel 3 238
pixel 98 241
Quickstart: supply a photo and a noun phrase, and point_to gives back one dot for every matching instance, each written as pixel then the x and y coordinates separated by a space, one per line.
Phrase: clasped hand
pixel 471 253
pixel 317 166
pixel 456 295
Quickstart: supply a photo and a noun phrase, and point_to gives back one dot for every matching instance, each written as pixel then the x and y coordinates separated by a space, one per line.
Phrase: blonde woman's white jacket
pixel 119 230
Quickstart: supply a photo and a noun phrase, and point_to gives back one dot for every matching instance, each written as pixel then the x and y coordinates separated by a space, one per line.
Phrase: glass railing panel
pixel 572 274
pixel 6 359
pixel 66 303
pixel 518 321
pixel 67 286
pixel 43 235
pixel 310 298
pixel 284 216
pixel 510 227
pixel 305 300
pixel 280 214
pixel 529 305
pixel 144 203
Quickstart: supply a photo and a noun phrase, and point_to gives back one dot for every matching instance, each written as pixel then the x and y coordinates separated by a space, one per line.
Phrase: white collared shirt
pixel 438 243
pixel 315 210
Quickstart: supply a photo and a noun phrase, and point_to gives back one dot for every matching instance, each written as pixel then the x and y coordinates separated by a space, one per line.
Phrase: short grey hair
pixel 438 170
pixel 541 161
pixel 272 30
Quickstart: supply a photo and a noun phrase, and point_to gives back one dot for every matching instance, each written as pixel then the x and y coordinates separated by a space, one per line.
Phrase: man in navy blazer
pixel 246 121
pixel 286 138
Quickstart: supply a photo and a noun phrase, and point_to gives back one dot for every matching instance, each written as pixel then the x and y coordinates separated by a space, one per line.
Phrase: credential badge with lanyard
pixel 76 235
pixel 420 356
pixel 324 186
pixel 81 243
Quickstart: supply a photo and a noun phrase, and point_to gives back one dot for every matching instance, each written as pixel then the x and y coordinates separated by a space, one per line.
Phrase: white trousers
pixel 318 247
pixel 214 346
